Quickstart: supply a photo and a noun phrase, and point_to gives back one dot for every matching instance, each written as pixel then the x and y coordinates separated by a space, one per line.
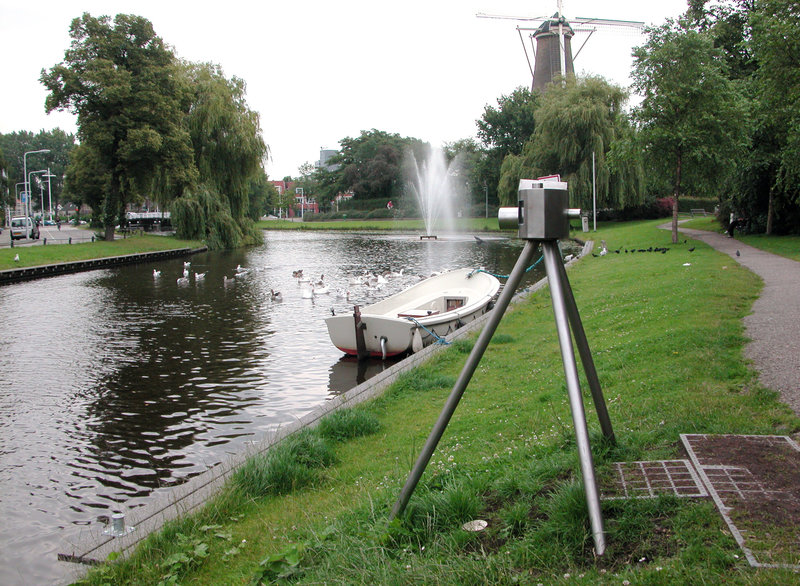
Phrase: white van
pixel 23 227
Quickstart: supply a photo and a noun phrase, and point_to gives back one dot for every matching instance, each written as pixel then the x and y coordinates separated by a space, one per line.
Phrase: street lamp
pixel 30 194
pixel 25 173
pixel 49 194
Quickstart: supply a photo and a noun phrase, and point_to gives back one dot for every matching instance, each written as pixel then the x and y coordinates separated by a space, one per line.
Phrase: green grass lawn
pixel 30 256
pixel 667 338
pixel 788 246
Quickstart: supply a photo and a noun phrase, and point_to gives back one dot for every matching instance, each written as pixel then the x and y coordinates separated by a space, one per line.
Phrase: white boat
pixel 415 317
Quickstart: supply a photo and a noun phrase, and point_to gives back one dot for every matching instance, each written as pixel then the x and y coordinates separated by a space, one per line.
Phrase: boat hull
pixel 418 316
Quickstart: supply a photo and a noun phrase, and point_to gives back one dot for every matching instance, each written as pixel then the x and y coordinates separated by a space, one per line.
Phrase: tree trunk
pixel 770 211
pixel 675 200
pixel 110 207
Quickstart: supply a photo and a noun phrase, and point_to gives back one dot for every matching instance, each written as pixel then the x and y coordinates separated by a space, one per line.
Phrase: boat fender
pixel 416 341
pixel 383 347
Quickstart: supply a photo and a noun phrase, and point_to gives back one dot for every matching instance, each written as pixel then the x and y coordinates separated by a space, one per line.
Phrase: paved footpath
pixel 774 324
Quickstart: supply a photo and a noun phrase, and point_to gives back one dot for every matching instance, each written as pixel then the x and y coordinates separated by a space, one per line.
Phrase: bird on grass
pixel 738 253
pixel 692 249
pixel 16 258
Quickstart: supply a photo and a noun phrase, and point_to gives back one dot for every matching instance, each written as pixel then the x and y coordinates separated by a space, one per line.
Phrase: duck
pixel 240 270
pixel 156 274
pixel 187 264
pixel 297 274
pixel 183 280
pixel 321 282
pixel 185 273
pixel 276 295
pixel 226 280
pixel 199 276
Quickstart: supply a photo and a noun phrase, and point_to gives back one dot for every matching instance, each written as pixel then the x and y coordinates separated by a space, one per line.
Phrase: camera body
pixel 543 211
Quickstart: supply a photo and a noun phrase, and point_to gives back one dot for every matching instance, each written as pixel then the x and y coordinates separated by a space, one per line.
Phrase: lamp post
pixel 25 174
pixel 30 194
pixel 49 194
pixel 486 197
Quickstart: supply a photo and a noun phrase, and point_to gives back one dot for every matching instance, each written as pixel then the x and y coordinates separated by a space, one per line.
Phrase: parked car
pixel 24 227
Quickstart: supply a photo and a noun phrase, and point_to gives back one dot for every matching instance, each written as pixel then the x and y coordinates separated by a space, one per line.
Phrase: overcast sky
pixel 317 72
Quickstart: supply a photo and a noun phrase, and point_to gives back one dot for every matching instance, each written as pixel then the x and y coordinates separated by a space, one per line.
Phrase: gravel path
pixel 774 324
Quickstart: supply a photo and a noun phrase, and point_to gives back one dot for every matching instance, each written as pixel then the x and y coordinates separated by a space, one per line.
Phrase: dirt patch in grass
pixel 756 484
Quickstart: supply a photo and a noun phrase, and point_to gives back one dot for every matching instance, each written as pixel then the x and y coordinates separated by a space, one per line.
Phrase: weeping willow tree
pixel 228 153
pixel 575 120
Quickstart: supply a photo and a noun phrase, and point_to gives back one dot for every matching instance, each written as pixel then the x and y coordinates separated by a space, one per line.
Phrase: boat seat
pixel 417 313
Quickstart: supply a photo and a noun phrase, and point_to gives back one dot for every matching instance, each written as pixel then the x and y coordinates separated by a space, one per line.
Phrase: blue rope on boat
pixel 439 339
pixel 529 269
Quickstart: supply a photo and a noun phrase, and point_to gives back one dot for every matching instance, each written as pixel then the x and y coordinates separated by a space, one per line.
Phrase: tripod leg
pixel 463 379
pixel 551 260
pixel 586 356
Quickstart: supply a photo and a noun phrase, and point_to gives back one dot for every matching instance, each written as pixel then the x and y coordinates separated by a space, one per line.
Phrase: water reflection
pixel 115 385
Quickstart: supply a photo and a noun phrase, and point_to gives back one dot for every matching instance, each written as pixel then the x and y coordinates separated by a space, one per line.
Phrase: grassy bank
pixel 30 256
pixel 460 224
pixel 667 341
pixel 788 246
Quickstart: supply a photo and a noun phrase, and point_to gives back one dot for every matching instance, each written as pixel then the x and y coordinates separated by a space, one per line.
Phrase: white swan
pixel 156 274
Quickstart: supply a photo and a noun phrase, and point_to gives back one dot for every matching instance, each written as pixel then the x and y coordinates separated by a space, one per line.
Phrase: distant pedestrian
pixel 733 224
pixel 58 223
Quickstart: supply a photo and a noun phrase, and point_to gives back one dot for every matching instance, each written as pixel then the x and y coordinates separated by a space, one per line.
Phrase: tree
pixel 225 135
pixel 509 126
pixel 776 47
pixel 372 164
pixel 693 122
pixel 59 143
pixel 504 130
pixel 582 118
pixel 120 80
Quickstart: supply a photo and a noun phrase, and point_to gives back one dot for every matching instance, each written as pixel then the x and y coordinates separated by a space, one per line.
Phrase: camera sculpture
pixel 542 218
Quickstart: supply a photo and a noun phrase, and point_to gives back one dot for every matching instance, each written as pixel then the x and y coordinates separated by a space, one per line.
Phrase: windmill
pixel 551 41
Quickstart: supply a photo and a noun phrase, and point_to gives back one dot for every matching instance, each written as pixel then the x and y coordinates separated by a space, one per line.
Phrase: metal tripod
pixel 566 315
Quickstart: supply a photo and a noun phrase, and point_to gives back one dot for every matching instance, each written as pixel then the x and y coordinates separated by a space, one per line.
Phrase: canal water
pixel 116 385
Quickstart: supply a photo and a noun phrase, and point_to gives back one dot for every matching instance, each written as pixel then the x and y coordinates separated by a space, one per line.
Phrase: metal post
pixel 594 195
pixel 557 295
pixel 466 374
pixel 586 356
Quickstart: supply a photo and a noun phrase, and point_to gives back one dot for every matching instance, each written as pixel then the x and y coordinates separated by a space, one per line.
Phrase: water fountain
pixel 432 183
